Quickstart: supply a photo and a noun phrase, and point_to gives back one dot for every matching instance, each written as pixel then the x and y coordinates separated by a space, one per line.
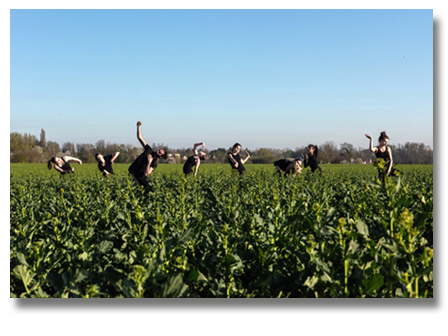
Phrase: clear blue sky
pixel 264 78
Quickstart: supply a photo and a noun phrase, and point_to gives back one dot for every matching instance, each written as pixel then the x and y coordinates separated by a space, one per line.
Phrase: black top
pixel 66 165
pixel 312 162
pixel 286 165
pixel 107 164
pixel 383 155
pixel 237 159
pixel 190 163
pixel 138 167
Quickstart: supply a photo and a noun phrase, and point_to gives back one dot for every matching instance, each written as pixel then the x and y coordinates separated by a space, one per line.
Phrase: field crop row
pixel 342 234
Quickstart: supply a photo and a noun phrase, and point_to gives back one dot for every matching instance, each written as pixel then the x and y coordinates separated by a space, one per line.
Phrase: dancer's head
pixel 202 155
pixel 236 148
pixel 383 139
pixel 161 154
pixel 313 150
pixel 99 157
pixel 52 160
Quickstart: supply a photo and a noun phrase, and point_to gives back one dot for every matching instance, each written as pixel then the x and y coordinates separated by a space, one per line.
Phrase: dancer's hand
pixel 139 123
pixel 368 137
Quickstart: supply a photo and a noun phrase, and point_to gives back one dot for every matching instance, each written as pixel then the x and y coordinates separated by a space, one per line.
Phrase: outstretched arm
pixel 247 157
pixel 197 145
pixel 70 158
pixel 372 149
pixel 139 134
pixel 114 157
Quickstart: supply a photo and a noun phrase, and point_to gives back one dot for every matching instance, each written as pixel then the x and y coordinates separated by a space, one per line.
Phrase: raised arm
pixel 139 134
pixel 70 158
pixel 114 157
pixel 197 145
pixel 372 149
pixel 247 157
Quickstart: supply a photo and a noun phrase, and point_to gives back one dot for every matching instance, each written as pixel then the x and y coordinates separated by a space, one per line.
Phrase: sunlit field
pixel 344 233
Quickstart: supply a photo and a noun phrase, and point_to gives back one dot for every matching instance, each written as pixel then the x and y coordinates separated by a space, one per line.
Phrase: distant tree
pixel 52 149
pixel 83 150
pixel 328 152
pixel 263 155
pixel 43 141
pixel 100 146
pixel 347 151
pixel 220 155
pixel 69 147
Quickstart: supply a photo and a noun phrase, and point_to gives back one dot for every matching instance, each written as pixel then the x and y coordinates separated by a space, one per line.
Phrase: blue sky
pixel 264 78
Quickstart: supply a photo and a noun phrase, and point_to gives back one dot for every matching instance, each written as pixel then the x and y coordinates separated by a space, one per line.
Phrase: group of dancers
pixel 146 162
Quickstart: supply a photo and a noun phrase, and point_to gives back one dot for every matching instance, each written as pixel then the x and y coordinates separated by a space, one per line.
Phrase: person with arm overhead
pixel 235 159
pixel 62 165
pixel 194 160
pixel 146 162
pixel 383 151
pixel 105 163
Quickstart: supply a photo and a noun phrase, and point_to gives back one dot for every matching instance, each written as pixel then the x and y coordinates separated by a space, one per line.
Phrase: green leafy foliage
pixel 345 233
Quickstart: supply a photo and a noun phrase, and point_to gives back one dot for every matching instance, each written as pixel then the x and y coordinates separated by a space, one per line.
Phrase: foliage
pixel 342 234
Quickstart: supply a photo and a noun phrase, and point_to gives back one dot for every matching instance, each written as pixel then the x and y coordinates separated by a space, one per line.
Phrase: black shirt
pixel 237 158
pixel 190 163
pixel 383 155
pixel 312 162
pixel 138 167
pixel 107 164
pixel 286 165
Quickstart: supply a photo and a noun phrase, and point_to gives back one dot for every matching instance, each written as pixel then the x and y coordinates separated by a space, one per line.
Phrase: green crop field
pixel 342 234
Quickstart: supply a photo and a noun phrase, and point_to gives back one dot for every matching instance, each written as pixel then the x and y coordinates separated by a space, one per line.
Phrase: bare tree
pixel 347 151
pixel 328 152
pixel 43 141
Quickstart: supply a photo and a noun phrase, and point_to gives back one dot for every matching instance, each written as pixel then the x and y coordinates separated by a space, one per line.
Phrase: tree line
pixel 26 148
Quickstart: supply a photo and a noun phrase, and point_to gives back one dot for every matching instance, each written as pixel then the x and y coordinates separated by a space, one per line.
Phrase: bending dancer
pixel 146 162
pixel 105 163
pixel 194 160
pixel 286 167
pixel 61 164
pixel 235 159
pixel 384 152
pixel 311 158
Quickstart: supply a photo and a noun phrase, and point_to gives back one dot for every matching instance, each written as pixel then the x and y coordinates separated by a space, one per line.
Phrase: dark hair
pixel 96 156
pixel 52 160
pixel 165 153
pixel 316 150
pixel 202 157
pixel 383 136
pixel 235 146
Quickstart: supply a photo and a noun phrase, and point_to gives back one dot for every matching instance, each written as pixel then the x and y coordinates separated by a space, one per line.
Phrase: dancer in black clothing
pixel 235 160
pixel 61 164
pixel 383 151
pixel 146 162
pixel 105 163
pixel 194 160
pixel 286 167
pixel 311 158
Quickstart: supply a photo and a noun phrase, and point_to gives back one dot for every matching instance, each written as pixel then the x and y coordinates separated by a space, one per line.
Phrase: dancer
pixel 194 160
pixel 286 167
pixel 146 162
pixel 383 151
pixel 235 159
pixel 311 158
pixel 105 163
pixel 61 164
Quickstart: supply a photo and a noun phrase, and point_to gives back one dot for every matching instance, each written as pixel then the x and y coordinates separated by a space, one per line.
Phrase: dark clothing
pixel 66 166
pixel 138 167
pixel 107 165
pixel 286 165
pixel 190 163
pixel 386 157
pixel 311 161
pixel 237 158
